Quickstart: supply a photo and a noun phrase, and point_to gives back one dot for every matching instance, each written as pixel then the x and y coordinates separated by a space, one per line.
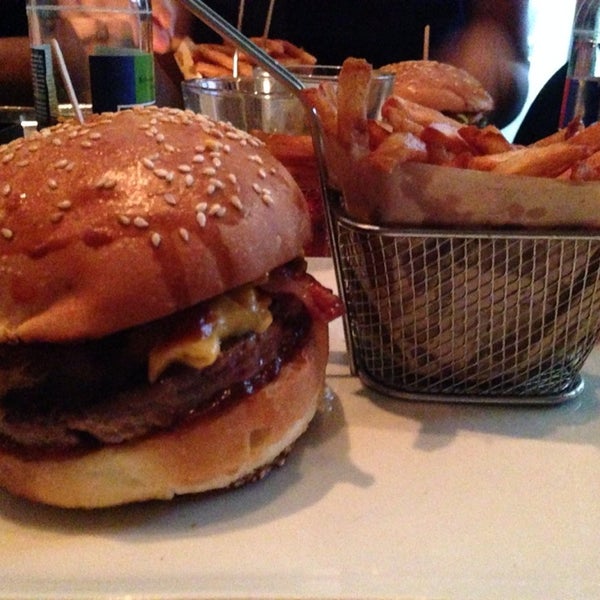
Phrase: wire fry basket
pixel 493 316
pixel 477 316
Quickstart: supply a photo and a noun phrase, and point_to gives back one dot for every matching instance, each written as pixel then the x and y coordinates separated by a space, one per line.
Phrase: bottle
pixel 90 57
pixel 581 97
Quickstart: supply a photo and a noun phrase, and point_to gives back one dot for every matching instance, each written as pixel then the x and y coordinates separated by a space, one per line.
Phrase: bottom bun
pixel 227 448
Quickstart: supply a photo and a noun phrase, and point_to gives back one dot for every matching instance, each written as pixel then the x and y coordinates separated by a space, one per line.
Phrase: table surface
pixel 381 499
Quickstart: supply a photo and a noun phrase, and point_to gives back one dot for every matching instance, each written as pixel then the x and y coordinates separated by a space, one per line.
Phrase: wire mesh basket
pixel 481 316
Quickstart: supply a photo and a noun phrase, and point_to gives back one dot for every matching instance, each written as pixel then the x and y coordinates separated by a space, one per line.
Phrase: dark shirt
pixel 13 19
pixel 381 31
pixel 543 115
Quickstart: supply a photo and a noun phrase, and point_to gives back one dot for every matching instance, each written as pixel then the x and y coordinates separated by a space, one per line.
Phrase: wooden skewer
pixel 426 42
pixel 240 21
pixel 269 19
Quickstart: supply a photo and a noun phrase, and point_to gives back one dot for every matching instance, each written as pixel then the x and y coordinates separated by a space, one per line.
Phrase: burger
pixel 159 333
pixel 443 87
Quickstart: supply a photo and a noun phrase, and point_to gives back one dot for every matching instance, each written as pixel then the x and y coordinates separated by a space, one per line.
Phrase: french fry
pixel 585 170
pixel 485 140
pixel 378 132
pixel 352 98
pixel 300 54
pixel 544 161
pixel 589 137
pixel 397 148
pixel 399 110
pixel 322 99
pixel 445 136
pixel 184 58
pixel 217 55
pixel 216 60
pixel 206 69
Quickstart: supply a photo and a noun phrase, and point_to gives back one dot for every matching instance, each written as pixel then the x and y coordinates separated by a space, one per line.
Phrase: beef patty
pixel 79 396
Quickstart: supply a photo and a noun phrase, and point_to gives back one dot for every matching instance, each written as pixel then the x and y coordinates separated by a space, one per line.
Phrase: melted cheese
pixel 233 314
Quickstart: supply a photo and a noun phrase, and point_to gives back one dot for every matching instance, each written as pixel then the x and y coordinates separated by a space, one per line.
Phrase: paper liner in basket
pixel 418 194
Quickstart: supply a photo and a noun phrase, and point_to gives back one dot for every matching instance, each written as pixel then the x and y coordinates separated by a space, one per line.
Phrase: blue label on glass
pixel 121 81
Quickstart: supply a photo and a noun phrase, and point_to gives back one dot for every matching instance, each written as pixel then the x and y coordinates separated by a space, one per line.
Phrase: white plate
pixel 381 499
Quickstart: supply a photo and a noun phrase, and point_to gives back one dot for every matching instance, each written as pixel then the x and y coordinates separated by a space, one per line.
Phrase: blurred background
pixel 549 36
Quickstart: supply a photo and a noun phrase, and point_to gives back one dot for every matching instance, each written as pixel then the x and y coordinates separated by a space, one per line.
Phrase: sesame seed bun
pixel 133 216
pixel 441 86
pixel 142 238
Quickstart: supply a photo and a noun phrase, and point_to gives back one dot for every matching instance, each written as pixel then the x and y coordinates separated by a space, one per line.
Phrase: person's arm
pixel 15 72
pixel 493 48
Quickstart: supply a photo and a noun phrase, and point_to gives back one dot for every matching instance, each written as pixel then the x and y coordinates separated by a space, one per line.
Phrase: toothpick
pixel 269 18
pixel 64 73
pixel 236 54
pixel 426 43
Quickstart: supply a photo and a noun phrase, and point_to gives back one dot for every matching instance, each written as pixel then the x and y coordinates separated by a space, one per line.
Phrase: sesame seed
pixel 70 167
pixel 155 239
pixel 262 173
pixel 255 158
pixel 8 157
pixel 161 173
pixel 184 234
pixel 201 219
pixel 86 144
pixel 214 144
pixel 201 206
pixel 189 180
pixel 149 133
pixel 33 148
pixel 148 163
pixel 7 233
pixel 124 219
pixel 267 198
pixel 232 178
pixel 217 210
pixel 211 188
pixel 256 188
pixel 217 162
pixel 170 199
pixel 235 200
pixel 200 148
pixel 209 171
pixel 198 158
pixel 169 148
pixel 95 135
pixel 160 138
pixel 140 223
pixel 52 184
pixel 106 181
pixel 57 141
pixel 184 168
pixel 64 205
pixel 56 217
pixel 6 189
pixel 61 164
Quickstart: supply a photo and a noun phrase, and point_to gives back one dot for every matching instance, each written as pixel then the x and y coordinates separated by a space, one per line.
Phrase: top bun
pixel 439 85
pixel 133 216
